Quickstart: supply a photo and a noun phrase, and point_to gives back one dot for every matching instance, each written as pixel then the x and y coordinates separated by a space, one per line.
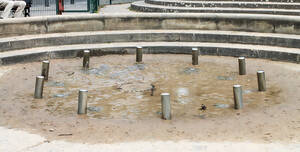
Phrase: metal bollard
pixel 166 106
pixel 261 80
pixel 195 54
pixel 238 96
pixel 82 101
pixel 242 65
pixel 39 85
pixel 86 59
pixel 45 69
pixel 139 54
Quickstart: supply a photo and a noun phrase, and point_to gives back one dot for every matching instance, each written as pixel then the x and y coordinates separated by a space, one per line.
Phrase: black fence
pixel 49 7
pixel 43 7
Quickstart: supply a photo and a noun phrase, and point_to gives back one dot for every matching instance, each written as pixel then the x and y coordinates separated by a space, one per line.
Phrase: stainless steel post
pixel 86 59
pixel 195 54
pixel 242 65
pixel 139 54
pixel 238 96
pixel 166 106
pixel 82 101
pixel 261 80
pixel 45 69
pixel 39 85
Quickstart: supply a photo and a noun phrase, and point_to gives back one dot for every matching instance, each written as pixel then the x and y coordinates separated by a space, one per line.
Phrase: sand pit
pixel 121 108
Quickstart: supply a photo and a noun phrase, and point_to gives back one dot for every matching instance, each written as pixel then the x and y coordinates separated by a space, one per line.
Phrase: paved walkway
pixel 118 8
pixel 20 141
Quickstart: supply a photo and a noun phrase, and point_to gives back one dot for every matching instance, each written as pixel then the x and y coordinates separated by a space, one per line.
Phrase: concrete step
pixel 219 49
pixel 225 4
pixel 145 7
pixel 265 23
pixel 59 39
pixel 284 1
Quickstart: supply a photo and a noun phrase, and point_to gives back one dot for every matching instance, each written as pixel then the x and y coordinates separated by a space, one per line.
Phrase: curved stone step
pixel 148 21
pixel 145 7
pixel 219 49
pixel 59 39
pixel 224 4
pixel 284 1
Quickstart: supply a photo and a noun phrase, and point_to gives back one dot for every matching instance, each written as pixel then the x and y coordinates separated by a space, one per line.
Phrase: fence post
pixel 47 3
pixel 93 6
pixel 59 7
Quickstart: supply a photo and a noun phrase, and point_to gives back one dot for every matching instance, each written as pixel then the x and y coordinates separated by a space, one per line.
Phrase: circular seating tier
pixel 225 4
pixel 227 35
pixel 251 7
pixel 219 49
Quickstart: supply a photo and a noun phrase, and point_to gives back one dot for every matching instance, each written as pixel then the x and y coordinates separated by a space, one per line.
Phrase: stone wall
pixel 95 22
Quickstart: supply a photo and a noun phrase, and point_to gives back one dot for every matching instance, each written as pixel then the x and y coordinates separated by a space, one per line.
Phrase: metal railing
pixel 51 7
pixel 43 8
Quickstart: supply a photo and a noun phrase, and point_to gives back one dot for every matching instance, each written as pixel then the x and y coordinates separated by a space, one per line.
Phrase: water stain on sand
pixel 120 89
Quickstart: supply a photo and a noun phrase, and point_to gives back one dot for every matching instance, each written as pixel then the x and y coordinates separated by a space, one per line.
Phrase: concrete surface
pixel 56 39
pixel 146 7
pixel 239 4
pixel 219 49
pixel 112 9
pixel 123 21
pixel 20 141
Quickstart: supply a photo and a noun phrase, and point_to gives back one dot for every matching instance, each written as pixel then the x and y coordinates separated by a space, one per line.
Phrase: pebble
pixel 225 78
pixel 95 109
pixel 190 70
pixel 55 84
pixel 60 95
pixel 220 105
pixel 102 70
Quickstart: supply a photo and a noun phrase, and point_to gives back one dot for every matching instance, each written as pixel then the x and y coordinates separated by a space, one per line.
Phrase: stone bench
pixel 143 21
pixel 276 7
pixel 72 51
pixel 127 36
pixel 225 4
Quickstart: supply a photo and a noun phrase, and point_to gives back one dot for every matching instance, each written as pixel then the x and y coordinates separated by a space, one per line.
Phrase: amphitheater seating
pixel 36 39
pixel 277 7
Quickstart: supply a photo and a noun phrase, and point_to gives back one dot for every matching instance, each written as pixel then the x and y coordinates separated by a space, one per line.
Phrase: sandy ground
pixel 270 120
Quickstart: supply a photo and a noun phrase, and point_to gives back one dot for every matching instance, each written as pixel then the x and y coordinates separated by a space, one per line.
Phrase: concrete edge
pixel 178 21
pixel 149 7
pixel 187 3
pixel 14 142
pixel 149 49
pixel 265 17
pixel 59 39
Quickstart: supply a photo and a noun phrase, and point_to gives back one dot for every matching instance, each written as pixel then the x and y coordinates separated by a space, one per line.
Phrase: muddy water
pixel 120 89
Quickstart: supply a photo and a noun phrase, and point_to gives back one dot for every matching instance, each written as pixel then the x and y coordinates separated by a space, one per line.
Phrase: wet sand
pixel 121 108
